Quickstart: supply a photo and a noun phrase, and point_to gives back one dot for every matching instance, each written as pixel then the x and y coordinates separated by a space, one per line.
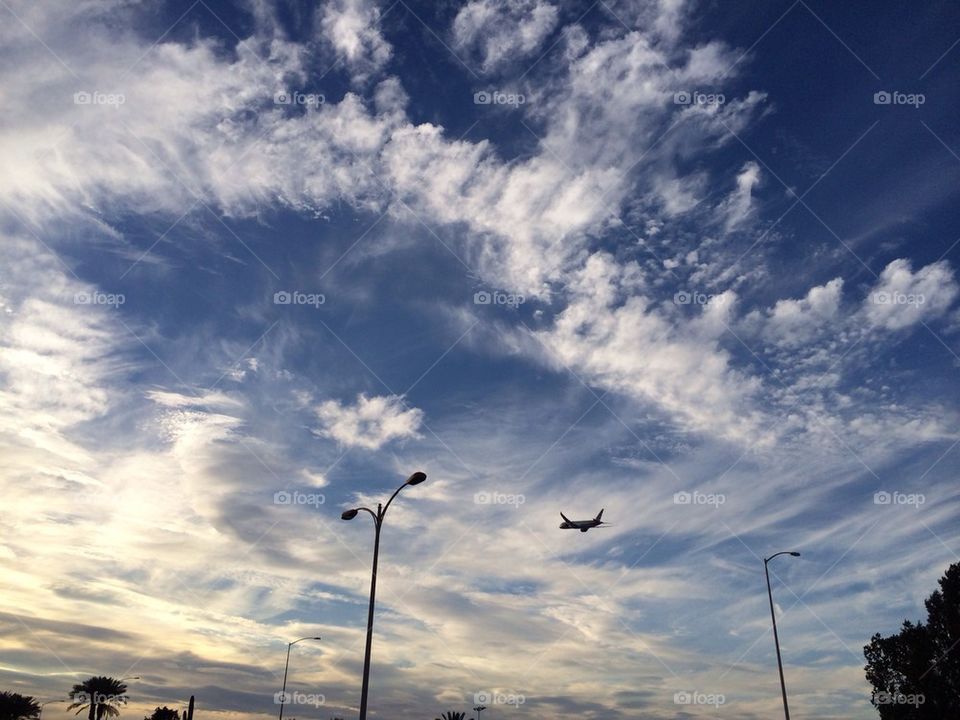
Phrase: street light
pixel 415 479
pixel 43 704
pixel 480 709
pixel 283 693
pixel 776 639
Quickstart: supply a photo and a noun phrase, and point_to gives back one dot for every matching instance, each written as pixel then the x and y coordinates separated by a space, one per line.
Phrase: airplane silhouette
pixel 581 525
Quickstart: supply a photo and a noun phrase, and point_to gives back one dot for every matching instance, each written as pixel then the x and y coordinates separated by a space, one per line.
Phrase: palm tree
pixel 452 715
pixel 14 706
pixel 100 696
pixel 164 713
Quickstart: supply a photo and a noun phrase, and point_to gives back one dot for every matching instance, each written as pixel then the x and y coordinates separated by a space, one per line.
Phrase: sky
pixel 694 263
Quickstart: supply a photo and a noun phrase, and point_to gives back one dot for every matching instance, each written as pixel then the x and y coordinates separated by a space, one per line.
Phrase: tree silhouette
pixel 452 715
pixel 916 673
pixel 14 706
pixel 99 696
pixel 164 713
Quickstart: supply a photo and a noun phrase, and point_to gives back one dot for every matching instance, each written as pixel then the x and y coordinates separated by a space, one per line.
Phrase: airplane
pixel 581 525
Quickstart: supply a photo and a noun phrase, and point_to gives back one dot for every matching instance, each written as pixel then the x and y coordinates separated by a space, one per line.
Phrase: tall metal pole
pixel 776 637
pixel 283 693
pixel 378 520
pixel 415 479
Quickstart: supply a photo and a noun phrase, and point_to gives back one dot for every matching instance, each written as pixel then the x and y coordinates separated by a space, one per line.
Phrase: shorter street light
pixel 44 704
pixel 283 693
pixel 480 709
pixel 776 639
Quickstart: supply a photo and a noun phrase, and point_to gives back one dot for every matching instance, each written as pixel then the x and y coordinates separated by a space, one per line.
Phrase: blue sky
pixel 694 263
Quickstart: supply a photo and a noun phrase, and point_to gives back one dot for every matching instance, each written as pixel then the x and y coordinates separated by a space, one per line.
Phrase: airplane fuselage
pixel 581 525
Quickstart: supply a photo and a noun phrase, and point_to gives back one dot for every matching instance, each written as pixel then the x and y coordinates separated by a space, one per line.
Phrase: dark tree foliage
pixel 164 713
pixel 916 673
pixel 99 697
pixel 14 706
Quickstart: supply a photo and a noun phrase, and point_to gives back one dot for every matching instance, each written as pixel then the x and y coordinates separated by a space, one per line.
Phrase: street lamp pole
pixel 415 479
pixel 44 704
pixel 776 638
pixel 283 693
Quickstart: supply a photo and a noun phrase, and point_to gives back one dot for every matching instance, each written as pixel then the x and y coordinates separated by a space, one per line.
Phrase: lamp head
pixel 317 638
pixel 417 478
pixel 349 514
pixel 795 554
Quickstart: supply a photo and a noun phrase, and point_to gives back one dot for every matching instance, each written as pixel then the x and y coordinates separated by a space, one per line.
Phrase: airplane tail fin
pixel 565 518
pixel 599 515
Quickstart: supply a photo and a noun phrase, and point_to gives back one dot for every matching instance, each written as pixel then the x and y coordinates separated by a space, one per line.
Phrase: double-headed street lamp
pixel 283 693
pixel 480 709
pixel 415 479
pixel 776 639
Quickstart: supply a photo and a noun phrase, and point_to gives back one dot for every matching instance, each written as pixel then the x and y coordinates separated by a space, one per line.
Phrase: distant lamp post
pixel 415 479
pixel 283 693
pixel 480 709
pixel 776 638
pixel 44 704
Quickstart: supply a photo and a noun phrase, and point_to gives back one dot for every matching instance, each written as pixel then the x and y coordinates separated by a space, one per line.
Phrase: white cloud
pixel 353 27
pixel 371 422
pixel 795 322
pixel 738 207
pixel 503 31
pixel 901 298
pixel 618 340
